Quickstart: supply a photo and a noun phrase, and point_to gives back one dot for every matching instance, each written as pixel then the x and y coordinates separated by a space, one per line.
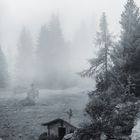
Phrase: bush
pixel 27 102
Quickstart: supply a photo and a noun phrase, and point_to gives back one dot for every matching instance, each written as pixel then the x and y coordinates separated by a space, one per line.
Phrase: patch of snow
pixel 136 131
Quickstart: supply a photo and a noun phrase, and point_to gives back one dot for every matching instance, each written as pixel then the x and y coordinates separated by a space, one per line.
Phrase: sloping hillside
pixel 24 122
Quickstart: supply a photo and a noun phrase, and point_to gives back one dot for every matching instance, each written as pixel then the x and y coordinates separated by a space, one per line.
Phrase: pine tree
pixel 102 63
pixel 4 78
pixel 24 65
pixel 42 41
pixel 101 107
pixel 130 22
pixel 59 54
pixel 127 53
pixel 42 56
pixel 52 54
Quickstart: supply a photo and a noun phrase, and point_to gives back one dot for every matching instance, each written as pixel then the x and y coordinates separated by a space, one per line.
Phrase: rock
pixel 136 131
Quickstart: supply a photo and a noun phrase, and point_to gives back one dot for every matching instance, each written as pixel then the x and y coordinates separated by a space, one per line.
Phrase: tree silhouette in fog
pixel 4 78
pixel 52 55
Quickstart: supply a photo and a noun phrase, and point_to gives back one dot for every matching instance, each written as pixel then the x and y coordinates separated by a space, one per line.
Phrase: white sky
pixel 14 14
pixel 33 13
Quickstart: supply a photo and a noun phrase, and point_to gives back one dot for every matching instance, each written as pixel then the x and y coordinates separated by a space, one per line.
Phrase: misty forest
pixel 68 72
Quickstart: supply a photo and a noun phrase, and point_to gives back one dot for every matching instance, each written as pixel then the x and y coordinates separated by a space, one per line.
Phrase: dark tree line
pixel 114 105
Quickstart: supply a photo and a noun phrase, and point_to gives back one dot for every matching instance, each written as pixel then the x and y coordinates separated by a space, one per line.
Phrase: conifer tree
pixel 52 55
pixel 24 65
pixel 126 55
pixel 4 78
pixel 102 63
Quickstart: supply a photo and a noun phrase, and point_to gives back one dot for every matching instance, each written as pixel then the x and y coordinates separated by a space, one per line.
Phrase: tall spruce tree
pixel 52 55
pixel 101 64
pixel 127 53
pixel 59 53
pixel 101 107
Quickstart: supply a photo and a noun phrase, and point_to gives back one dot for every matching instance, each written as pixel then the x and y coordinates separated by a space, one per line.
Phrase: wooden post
pixel 48 130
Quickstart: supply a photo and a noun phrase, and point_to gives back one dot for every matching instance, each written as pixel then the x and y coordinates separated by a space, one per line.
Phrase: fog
pixel 78 21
